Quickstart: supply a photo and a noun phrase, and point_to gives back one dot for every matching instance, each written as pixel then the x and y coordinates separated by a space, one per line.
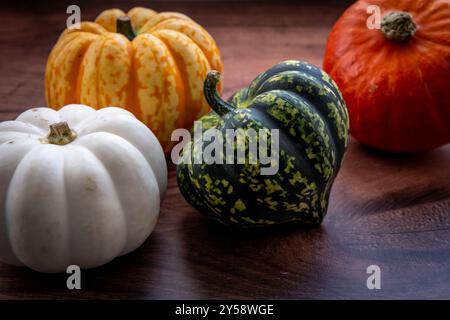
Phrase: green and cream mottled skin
pixel 304 103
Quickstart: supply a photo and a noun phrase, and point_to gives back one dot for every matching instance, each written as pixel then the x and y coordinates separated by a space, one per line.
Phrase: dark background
pixel 389 210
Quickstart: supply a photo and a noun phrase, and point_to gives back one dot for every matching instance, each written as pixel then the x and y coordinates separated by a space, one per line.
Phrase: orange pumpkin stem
pixel 60 134
pixel 398 26
pixel 124 26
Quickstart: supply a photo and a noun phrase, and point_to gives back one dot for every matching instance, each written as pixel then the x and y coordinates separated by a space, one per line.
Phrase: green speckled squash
pixel 306 106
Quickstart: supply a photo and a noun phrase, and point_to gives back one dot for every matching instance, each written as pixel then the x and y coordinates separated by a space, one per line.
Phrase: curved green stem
pixel 60 134
pixel 398 26
pixel 123 26
pixel 220 106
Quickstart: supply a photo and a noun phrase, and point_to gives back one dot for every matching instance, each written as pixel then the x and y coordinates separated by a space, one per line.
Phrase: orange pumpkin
pixel 152 64
pixel 395 79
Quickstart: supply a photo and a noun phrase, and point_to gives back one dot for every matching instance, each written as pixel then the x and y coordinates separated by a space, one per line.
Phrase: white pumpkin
pixel 83 195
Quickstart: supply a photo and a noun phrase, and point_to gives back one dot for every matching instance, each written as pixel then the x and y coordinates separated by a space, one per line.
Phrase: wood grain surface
pixel 389 210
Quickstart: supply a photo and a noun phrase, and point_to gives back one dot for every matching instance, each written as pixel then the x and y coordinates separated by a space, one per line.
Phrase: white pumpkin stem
pixel 398 26
pixel 61 134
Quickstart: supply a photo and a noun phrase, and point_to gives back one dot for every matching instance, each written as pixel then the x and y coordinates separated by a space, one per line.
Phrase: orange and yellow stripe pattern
pixel 158 75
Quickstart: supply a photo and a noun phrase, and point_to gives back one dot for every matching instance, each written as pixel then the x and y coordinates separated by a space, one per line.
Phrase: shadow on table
pixel 374 181
pixel 266 263
pixel 291 262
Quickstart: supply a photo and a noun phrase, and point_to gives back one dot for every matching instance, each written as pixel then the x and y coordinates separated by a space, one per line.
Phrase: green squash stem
pixel 123 26
pixel 398 26
pixel 220 106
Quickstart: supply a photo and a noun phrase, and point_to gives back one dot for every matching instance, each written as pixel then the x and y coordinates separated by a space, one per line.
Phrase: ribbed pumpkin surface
pixel 158 75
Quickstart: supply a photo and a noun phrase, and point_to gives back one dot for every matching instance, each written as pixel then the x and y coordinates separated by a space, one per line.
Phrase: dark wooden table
pixel 387 210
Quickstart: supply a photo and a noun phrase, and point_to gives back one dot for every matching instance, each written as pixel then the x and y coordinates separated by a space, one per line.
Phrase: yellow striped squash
pixel 152 64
